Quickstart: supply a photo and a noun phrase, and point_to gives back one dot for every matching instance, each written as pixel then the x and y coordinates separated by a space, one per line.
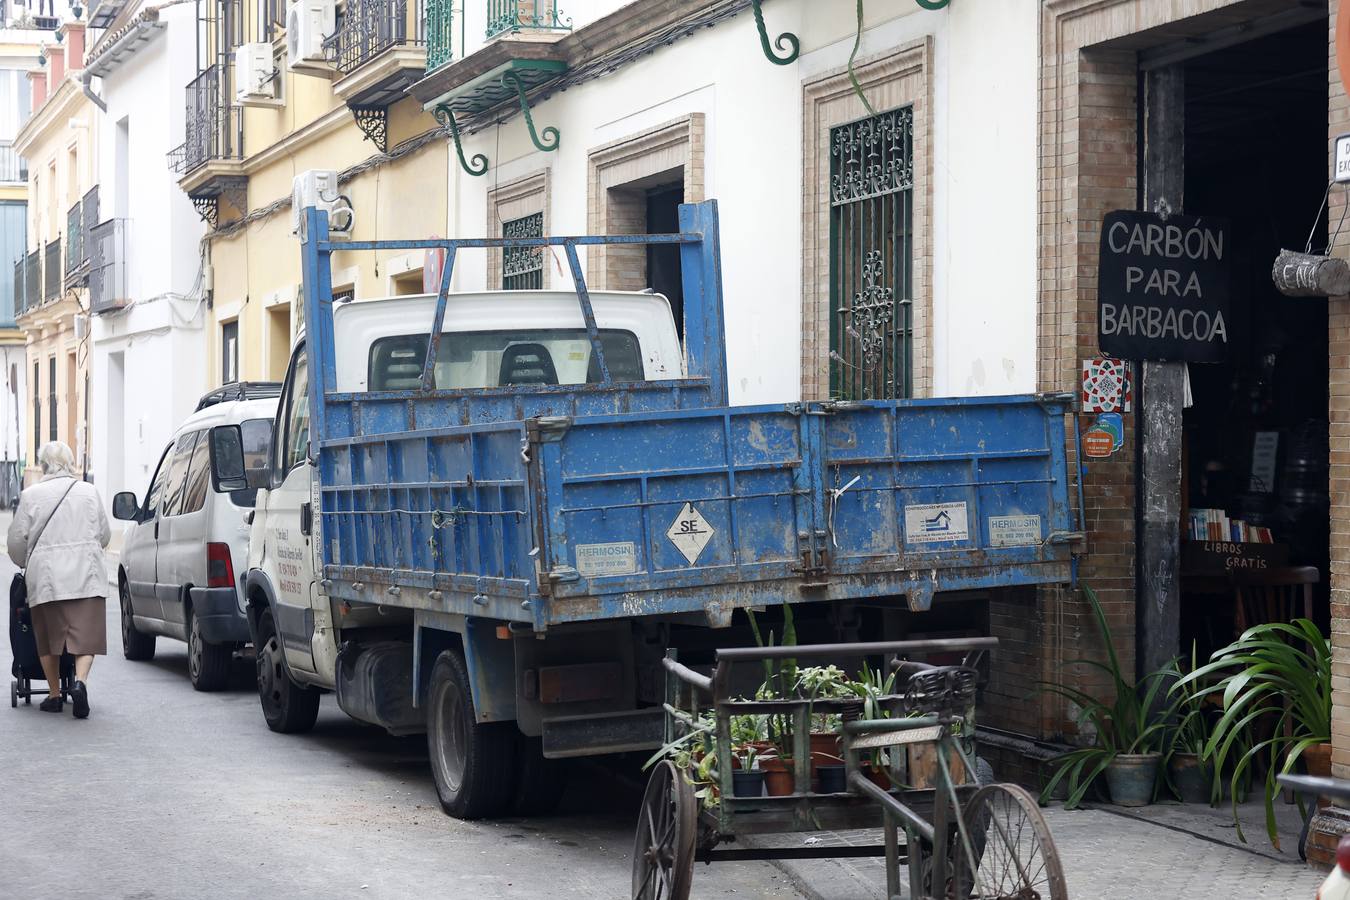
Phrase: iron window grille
pixel 74 238
pixel 20 292
pixel 51 399
pixel 439 23
pixel 511 16
pixel 37 409
pixel 213 125
pixel 523 267
pixel 108 266
pixel 52 271
pixel 32 281
pixel 871 253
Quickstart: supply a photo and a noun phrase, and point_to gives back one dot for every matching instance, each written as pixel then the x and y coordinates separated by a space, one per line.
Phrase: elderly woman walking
pixel 58 535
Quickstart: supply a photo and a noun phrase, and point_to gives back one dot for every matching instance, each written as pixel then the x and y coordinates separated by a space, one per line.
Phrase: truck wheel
pixel 540 782
pixel 471 761
pixel 287 707
pixel 208 664
pixel 135 644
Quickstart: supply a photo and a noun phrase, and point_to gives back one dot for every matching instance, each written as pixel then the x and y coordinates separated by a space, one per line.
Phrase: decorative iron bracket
pixel 374 124
pixel 206 208
pixel 786 42
pixel 551 136
pixel 446 117
pixel 235 190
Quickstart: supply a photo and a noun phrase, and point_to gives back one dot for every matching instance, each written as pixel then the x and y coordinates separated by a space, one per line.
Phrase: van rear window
pixel 479 359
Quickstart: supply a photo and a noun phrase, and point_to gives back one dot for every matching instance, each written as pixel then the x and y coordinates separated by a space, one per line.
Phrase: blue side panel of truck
pixel 575 503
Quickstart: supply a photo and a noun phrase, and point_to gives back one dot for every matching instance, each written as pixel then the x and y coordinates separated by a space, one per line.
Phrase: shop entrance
pixel 1254 484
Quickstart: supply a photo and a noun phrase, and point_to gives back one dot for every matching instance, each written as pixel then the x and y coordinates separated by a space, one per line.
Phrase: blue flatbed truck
pixel 491 525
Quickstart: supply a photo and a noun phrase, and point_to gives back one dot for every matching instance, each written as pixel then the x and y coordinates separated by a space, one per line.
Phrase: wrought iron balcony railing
pixel 32 281
pixel 74 238
pixel 20 295
pixel 214 126
pixel 440 32
pixel 89 204
pixel 51 268
pixel 108 266
pixel 367 28
pixel 13 167
pixel 510 16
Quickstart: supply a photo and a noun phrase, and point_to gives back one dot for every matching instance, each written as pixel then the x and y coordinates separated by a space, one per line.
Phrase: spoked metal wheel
pixel 663 853
pixel 1015 855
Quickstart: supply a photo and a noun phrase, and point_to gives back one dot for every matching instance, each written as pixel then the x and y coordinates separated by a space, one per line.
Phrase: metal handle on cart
pixel 688 675
pixel 815 651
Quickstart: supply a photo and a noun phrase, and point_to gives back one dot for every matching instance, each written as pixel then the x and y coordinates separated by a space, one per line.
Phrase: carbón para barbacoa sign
pixel 1162 287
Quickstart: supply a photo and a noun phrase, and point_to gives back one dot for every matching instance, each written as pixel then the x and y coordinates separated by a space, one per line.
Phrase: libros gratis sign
pixel 1162 287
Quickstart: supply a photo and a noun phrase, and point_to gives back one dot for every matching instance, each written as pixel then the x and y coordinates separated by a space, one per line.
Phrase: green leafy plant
pixel 1127 721
pixel 1189 729
pixel 694 755
pixel 823 683
pixel 1276 677
pixel 780 675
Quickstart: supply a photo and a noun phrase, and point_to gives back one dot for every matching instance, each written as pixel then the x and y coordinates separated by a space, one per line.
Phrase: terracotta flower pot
pixel 778 780
pixel 1317 760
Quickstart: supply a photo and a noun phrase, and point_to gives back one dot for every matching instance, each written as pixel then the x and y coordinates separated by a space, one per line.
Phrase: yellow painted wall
pixel 257 269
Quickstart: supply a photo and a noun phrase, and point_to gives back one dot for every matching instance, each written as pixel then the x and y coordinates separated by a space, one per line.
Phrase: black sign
pixel 1162 287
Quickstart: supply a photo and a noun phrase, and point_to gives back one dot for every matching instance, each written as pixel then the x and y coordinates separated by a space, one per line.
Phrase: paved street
pixel 166 793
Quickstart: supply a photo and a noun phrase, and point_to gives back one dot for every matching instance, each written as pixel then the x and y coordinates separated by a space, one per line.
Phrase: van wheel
pixel 287 707
pixel 208 664
pixel 540 782
pixel 472 762
pixel 135 644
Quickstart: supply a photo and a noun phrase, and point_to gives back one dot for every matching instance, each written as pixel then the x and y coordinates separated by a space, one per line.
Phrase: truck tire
pixel 208 664
pixel 136 645
pixel 287 707
pixel 472 762
pixel 540 782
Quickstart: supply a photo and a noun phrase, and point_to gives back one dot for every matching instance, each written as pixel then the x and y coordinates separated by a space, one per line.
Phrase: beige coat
pixel 68 561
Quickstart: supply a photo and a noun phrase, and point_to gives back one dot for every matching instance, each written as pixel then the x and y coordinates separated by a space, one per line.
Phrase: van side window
pixel 178 469
pixel 157 484
pixel 198 477
pixel 295 449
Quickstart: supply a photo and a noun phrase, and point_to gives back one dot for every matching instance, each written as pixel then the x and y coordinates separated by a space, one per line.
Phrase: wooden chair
pixel 1273 595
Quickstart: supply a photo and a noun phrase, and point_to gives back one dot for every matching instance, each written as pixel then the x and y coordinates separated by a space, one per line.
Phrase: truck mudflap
pixel 643 514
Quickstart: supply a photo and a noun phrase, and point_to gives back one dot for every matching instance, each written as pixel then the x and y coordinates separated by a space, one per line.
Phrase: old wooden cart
pixel 963 836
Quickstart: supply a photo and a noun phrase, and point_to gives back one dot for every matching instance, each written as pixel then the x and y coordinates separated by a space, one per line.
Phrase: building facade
pixel 20 49
pixel 250 130
pixel 59 142
pixel 146 299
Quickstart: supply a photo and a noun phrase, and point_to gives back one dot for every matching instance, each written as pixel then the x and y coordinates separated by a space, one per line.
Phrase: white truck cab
pixel 490 340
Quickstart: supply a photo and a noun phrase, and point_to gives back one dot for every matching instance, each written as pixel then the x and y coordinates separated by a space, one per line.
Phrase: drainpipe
pixel 85 79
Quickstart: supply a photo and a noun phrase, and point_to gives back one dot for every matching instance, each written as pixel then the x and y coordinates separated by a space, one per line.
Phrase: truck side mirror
pixel 228 472
pixel 125 507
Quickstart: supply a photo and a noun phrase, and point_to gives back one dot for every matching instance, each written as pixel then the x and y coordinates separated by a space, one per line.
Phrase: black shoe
pixel 79 696
pixel 51 704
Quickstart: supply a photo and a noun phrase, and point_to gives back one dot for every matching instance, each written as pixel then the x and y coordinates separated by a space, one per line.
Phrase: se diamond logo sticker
pixel 690 532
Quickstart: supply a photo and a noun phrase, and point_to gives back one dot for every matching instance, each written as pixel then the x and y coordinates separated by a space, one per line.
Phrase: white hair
pixel 56 459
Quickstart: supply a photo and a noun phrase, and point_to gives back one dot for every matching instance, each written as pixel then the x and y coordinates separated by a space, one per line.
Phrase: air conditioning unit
pixel 81 327
pixel 308 22
pixel 319 188
pixel 254 73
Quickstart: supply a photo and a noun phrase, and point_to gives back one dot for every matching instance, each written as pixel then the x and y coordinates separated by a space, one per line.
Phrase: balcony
pixel 20 270
pixel 214 128
pixel 51 268
pixel 32 281
pixel 108 266
pixel 378 49
pixel 74 240
pixel 13 167
pixel 516 16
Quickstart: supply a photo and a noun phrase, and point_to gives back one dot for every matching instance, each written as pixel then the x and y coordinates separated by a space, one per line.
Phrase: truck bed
pixel 562 516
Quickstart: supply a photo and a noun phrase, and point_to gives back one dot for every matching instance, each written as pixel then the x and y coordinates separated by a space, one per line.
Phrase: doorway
pixel 1254 487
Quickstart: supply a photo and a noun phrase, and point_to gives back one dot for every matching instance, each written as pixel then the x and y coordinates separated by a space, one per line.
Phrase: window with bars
pixel 523 267
pixel 37 409
pixel 51 398
pixel 871 253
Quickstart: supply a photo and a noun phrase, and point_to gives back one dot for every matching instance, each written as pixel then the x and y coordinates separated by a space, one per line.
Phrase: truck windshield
pixel 482 359
pixel 257 435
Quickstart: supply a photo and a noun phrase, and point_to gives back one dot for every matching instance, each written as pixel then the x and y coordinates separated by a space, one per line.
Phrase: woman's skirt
pixel 78 627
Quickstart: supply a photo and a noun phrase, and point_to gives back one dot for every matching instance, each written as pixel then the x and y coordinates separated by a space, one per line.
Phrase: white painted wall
pixel 984 190
pixel 147 370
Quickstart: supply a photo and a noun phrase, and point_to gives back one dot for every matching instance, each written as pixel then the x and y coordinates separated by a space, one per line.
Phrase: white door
pixel 289 521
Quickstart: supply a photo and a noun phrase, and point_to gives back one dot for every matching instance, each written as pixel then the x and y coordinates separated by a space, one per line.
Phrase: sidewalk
pixel 1110 853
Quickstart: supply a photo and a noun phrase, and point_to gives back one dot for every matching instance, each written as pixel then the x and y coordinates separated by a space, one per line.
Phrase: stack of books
pixel 1215 525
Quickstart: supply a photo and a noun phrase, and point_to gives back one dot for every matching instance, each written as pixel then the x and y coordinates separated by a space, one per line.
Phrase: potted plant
pixel 1275 685
pixel 871 687
pixel 1189 774
pixel 693 754
pixel 747 780
pixel 1128 730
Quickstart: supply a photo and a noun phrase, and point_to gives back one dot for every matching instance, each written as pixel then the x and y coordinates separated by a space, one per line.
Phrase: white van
pixel 180 555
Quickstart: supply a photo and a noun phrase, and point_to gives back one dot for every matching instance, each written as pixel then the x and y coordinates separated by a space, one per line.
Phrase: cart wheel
pixel 1014 853
pixel 663 853
pixel 13 695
